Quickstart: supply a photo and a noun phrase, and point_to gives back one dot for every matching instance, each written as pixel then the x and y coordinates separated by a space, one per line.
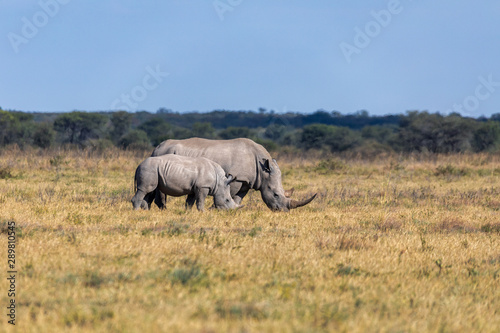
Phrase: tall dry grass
pixel 405 244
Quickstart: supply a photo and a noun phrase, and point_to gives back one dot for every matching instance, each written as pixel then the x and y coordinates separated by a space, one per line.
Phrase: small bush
pixel 239 310
pixel 135 140
pixel 330 166
pixel 371 149
pixel 254 231
pixel 388 225
pixel 93 279
pixel 268 144
pixel 57 161
pixel 450 170
pixel 190 273
pixel 453 225
pixel 343 270
pixel 176 228
pixel 6 173
pixel 100 145
pixel 184 275
pixel 173 228
pixel 491 227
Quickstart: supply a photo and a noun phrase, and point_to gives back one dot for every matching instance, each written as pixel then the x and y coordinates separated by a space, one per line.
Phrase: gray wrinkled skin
pixel 177 175
pixel 249 162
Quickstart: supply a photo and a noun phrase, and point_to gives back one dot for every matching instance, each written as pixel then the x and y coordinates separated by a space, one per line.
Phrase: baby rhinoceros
pixel 177 175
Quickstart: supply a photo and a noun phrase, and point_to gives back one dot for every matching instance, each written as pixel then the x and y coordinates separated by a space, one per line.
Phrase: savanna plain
pixel 390 244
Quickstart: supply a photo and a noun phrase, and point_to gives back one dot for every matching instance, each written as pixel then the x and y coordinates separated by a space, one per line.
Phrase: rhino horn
pixel 296 204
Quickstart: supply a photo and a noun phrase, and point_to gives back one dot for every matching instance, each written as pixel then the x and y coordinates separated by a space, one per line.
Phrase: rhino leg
pixel 200 196
pixel 239 196
pixel 160 199
pixel 149 198
pixel 191 198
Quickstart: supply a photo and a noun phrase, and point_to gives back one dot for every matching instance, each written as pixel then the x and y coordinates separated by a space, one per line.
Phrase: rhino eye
pixel 276 195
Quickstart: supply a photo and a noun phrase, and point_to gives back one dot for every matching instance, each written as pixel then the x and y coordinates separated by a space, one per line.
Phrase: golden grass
pixel 392 245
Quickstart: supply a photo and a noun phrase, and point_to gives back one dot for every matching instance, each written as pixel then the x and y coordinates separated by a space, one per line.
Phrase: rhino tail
pixel 135 181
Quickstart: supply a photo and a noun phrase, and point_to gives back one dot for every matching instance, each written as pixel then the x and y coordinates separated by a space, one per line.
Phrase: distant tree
pixel 135 139
pixel 203 130
pixel 456 134
pixel 275 132
pixel 487 136
pixel 163 111
pixel 268 144
pixel 421 131
pixel 292 138
pixel 235 132
pixel 319 117
pixel 181 133
pixel 157 130
pixel 315 136
pixel 15 127
pixel 7 122
pixel 381 134
pixel 44 135
pixel 121 122
pixel 77 127
pixel 337 139
pixel 343 138
pixel 362 114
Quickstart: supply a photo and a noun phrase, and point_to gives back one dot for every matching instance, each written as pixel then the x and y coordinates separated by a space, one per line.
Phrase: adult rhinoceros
pixel 247 161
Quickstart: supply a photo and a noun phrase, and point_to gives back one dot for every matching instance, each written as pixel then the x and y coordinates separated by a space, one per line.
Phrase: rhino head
pixel 222 195
pixel 272 191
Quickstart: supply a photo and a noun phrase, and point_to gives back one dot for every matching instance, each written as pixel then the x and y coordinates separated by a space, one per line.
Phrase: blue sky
pixel 385 57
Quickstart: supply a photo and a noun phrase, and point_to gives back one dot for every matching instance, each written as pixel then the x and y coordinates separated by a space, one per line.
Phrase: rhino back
pixel 180 175
pixel 238 157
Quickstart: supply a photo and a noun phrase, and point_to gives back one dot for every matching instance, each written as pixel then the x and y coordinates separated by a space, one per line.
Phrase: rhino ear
pixel 229 180
pixel 266 166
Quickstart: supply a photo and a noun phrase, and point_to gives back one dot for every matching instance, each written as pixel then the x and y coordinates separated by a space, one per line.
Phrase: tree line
pixel 329 131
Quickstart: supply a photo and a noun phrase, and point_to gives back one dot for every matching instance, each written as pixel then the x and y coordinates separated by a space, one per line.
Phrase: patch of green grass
pixel 346 270
pixel 189 273
pixel 330 166
pixel 94 279
pixel 172 228
pixel 451 171
pixel 240 310
pixel 6 172
pixel 491 227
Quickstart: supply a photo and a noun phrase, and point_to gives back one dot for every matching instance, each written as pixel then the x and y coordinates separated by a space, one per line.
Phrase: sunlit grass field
pixel 396 244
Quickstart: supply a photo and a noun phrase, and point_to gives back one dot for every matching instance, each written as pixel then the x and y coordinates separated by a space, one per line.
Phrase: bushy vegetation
pixel 325 131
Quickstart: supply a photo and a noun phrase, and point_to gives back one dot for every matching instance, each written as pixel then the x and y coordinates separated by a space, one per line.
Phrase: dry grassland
pixel 393 245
